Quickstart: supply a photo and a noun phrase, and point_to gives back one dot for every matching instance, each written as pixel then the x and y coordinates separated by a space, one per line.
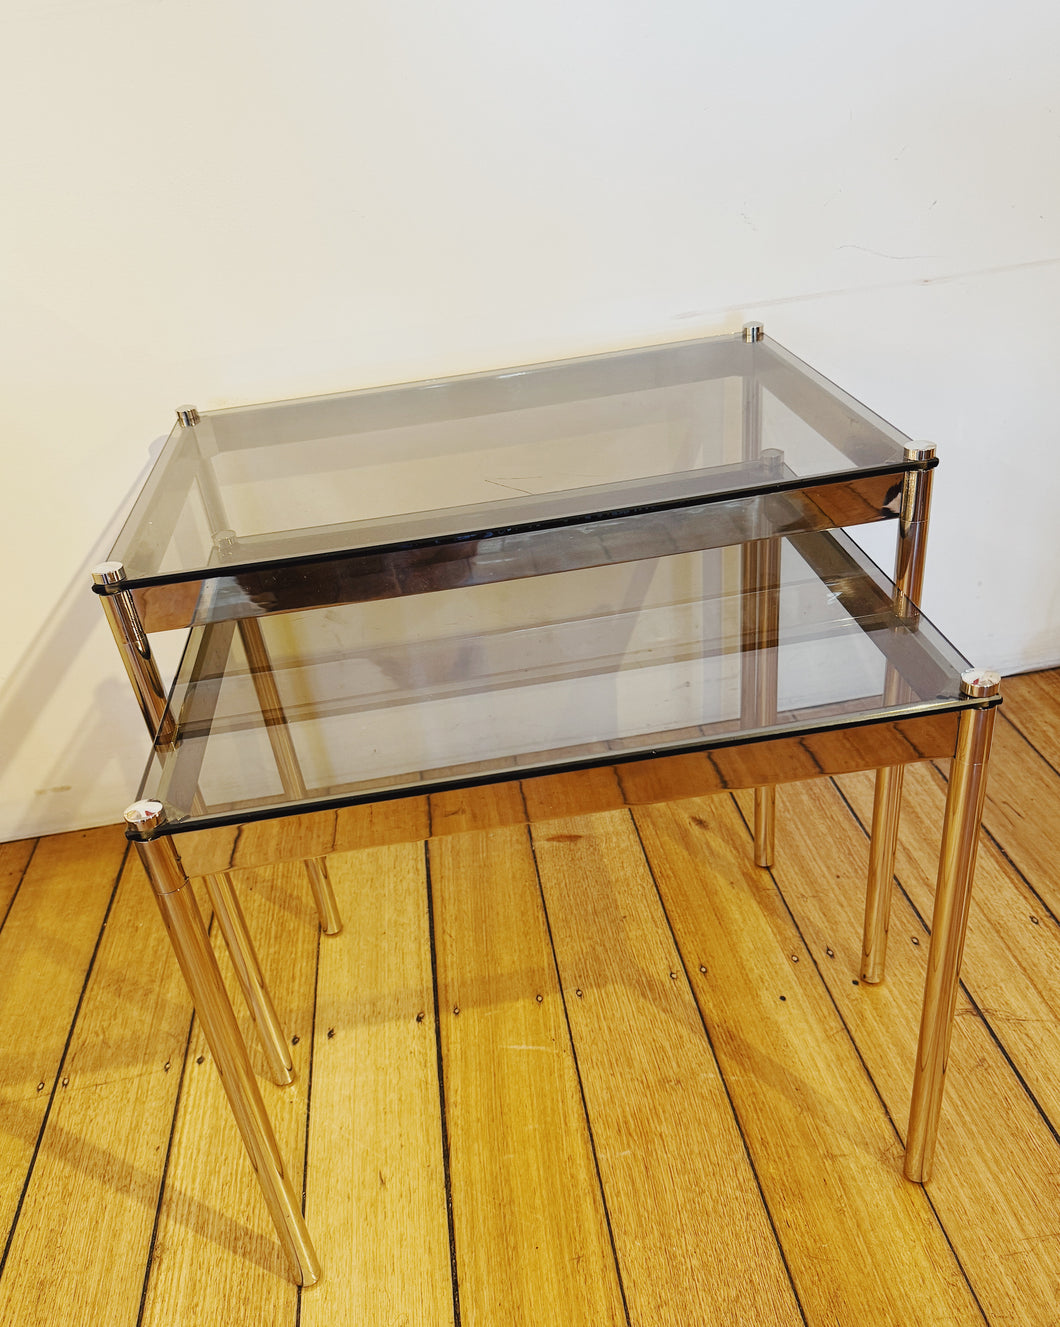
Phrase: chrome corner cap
pixel 979 682
pixel 920 451
pixel 187 415
pixel 146 816
pixel 108 573
pixel 753 332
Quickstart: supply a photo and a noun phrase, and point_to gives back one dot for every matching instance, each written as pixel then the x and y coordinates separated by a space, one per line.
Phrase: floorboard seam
pixel 1019 731
pixel 309 1104
pixel 152 1241
pixel 581 1086
pixel 450 1221
pixel 963 985
pixel 990 1031
pixel 721 1078
pixel 62 1061
pixel 18 888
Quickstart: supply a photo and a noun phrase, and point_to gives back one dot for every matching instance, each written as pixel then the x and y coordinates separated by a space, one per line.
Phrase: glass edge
pixel 498 370
pixel 229 819
pixel 216 570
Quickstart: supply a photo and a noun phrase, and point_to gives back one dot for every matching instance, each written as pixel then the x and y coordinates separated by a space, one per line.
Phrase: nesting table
pixel 632 567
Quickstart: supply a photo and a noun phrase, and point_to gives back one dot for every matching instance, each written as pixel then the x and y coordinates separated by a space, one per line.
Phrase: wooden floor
pixel 606 1073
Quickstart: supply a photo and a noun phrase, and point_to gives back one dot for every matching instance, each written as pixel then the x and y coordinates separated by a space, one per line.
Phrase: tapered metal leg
pixel 910 561
pixel 316 869
pixel 229 914
pixel 287 763
pixel 134 645
pixel 191 944
pixel 960 842
pixel 767 633
pixel 750 662
pixel 760 570
pixel 882 848
pixel 764 566
pixel 135 649
pixel 765 825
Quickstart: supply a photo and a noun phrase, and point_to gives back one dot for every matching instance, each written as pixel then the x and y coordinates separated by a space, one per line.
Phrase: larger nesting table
pixel 631 566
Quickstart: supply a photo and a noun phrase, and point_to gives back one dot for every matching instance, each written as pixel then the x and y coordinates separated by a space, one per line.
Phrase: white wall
pixel 230 202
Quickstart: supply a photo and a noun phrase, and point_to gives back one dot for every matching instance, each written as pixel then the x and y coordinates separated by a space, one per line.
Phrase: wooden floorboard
pixel 822 1143
pixel 666 1097
pixel 672 1162
pixel 1032 705
pixel 991 1131
pixel 529 1220
pixel 377 1206
pixel 47 945
pixel 82 1242
pixel 14 860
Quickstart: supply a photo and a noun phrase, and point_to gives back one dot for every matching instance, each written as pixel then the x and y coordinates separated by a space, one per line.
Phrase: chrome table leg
pixel 287 763
pixel 960 842
pixel 909 579
pixel 191 944
pixel 134 646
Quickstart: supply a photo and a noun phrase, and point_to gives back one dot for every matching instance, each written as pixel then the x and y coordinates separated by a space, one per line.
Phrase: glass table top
pixel 592 666
pixel 489 454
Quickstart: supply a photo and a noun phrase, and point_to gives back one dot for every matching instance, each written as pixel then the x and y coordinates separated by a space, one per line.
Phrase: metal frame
pixel 964 733
pixel 287 763
pixel 135 650
pixel 639 781
pixel 130 635
pixel 910 560
pixel 191 944
pixel 949 923
pixel 760 603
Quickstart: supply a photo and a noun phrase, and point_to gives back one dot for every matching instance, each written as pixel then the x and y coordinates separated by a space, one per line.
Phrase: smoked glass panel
pixel 517 449
pixel 542 673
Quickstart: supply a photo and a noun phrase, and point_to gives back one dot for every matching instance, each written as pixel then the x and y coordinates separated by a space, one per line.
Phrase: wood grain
pixel 818 1082
pixel 46 948
pixel 531 1231
pixel 90 1205
pixel 477 809
pixel 14 858
pixel 1012 953
pixel 1032 705
pixel 673 1164
pixel 377 1197
pixel 996 1181
pixel 1023 810
pixel 826 1153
